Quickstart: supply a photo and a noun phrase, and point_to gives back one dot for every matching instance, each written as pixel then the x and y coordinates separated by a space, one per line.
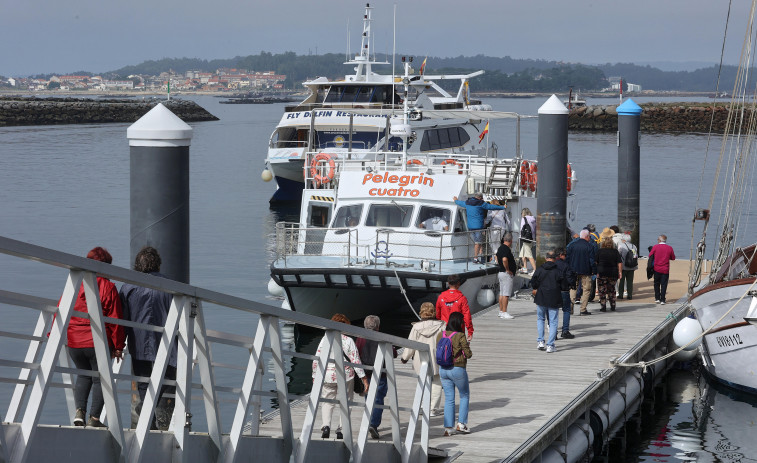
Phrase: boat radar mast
pixel 363 59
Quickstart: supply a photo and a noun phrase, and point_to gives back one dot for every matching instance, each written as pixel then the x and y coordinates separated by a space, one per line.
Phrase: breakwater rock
pixel 48 111
pixel 656 117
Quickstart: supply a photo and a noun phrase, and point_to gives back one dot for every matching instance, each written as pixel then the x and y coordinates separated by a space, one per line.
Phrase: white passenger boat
pixel 322 122
pixel 726 303
pixel 382 233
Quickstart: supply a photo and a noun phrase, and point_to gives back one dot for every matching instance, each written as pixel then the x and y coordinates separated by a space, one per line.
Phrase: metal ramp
pixel 196 432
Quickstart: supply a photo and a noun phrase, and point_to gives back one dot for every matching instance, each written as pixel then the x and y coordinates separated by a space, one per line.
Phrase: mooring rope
pixel 404 293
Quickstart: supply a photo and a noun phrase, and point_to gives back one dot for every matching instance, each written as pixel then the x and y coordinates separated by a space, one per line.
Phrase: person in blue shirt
pixel 475 209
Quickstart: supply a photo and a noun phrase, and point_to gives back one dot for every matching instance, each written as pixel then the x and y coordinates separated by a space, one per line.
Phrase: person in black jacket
pixel 568 283
pixel 547 282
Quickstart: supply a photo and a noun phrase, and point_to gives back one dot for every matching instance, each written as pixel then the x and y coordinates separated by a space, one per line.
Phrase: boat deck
pixel 515 388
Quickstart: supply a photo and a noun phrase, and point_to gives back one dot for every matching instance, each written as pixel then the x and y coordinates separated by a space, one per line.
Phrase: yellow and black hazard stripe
pixel 322 198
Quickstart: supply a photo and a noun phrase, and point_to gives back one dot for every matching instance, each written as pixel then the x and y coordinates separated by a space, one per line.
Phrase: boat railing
pixel 202 426
pixel 417 250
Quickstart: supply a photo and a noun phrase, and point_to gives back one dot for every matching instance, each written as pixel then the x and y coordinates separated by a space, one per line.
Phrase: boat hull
pixel 729 349
pixel 324 292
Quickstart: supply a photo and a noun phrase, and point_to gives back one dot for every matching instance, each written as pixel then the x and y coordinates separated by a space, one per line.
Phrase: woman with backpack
pixel 629 255
pixel 527 240
pixel 452 354
pixel 609 270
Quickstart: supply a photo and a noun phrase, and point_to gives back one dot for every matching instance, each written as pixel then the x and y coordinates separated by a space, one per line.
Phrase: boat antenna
pixel 394 52
pixel 347 56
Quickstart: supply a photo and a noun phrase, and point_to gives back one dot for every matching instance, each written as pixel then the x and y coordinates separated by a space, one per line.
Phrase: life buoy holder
pixel 524 175
pixel 318 178
pixel 414 162
pixel 570 175
pixel 532 176
pixel 452 162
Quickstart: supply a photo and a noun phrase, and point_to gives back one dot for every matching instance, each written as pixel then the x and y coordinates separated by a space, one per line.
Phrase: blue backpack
pixel 445 357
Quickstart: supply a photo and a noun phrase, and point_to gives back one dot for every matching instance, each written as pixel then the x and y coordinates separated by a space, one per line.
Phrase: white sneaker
pixel 656 301
pixel 662 302
pixel 462 428
pixel 449 431
pixel 541 345
pixel 506 316
pixel 551 349
pixel 434 412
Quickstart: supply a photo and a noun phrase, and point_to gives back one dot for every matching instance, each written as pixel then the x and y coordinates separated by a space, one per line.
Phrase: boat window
pixel 290 137
pixel 461 223
pixel 379 95
pixel 389 215
pixel 433 139
pixel 433 218
pixel 464 137
pixel 361 139
pixel 454 137
pixel 335 94
pixel 444 137
pixel 364 95
pixel 348 216
pixel 318 215
pixel 349 94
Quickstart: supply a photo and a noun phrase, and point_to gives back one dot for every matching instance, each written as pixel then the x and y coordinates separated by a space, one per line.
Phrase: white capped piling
pixel 552 187
pixel 629 168
pixel 159 189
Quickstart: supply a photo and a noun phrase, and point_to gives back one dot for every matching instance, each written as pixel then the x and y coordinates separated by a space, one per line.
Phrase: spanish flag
pixel 423 66
pixel 483 133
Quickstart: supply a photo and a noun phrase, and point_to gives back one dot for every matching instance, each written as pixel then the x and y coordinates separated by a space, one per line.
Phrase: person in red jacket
pixel 662 253
pixel 81 349
pixel 453 300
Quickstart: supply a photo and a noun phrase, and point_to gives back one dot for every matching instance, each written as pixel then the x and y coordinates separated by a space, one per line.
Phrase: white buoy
pixel 686 331
pixel 266 175
pixel 485 297
pixel 274 289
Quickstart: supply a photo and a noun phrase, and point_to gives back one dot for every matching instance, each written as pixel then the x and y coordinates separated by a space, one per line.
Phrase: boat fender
pixel 329 176
pixel 274 289
pixel 570 177
pixel 485 297
pixel 686 330
pixel 524 175
pixel 266 175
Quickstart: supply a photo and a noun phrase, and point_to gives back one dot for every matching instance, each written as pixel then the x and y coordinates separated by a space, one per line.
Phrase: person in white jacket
pixel 428 331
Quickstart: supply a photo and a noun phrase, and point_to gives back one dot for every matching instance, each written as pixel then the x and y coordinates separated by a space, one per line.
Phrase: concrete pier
pixel 518 393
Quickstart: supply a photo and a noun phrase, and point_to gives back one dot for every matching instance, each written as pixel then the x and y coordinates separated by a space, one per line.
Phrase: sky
pixel 44 36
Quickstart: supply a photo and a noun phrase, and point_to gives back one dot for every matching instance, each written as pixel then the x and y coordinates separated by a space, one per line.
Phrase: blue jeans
pixel 456 377
pixel 566 303
pixel 541 313
pixel 381 390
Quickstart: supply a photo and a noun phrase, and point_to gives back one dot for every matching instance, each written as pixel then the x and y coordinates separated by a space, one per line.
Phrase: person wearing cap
pixel 580 257
pixel 475 210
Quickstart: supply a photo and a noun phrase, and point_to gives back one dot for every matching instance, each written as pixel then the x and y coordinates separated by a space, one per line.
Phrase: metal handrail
pixel 186 323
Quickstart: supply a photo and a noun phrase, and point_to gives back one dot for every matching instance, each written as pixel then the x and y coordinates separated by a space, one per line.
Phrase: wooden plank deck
pixel 515 388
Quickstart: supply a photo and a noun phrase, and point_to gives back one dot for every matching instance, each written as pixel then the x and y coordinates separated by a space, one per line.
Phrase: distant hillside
pixel 503 74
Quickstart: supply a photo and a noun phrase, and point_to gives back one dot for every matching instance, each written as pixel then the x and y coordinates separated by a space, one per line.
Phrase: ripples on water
pixel 67 188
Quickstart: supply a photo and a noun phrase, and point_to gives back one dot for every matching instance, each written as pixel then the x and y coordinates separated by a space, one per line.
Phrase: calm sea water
pixel 67 188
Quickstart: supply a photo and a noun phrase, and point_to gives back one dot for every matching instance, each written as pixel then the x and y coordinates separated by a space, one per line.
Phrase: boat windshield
pixel 348 216
pixel 389 215
pixel 444 138
pixel 433 218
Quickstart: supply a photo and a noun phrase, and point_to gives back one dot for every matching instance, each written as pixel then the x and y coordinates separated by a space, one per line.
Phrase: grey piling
pixel 551 202
pixel 629 168
pixel 159 189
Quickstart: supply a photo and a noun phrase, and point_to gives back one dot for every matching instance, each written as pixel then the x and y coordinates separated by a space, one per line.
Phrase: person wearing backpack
pixel 453 300
pixel 527 240
pixel 630 257
pixel 452 354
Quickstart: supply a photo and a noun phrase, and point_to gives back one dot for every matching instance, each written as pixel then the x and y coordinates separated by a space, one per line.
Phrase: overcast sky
pixel 45 36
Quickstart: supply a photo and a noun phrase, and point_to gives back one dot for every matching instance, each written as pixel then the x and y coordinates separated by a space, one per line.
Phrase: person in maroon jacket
pixel 81 348
pixel 662 253
pixel 453 300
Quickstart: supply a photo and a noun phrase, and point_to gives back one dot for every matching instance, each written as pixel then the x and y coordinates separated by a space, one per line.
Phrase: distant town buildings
pixel 615 85
pixel 220 80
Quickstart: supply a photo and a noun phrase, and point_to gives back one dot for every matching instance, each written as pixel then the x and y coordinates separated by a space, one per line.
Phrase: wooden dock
pixel 515 388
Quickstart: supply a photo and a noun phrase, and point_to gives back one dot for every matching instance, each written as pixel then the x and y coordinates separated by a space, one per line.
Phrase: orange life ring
pixel 524 175
pixel 414 162
pixel 570 174
pixel 532 176
pixel 315 165
pixel 449 161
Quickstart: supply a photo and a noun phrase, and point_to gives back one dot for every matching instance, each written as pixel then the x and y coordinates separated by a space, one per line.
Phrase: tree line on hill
pixel 504 74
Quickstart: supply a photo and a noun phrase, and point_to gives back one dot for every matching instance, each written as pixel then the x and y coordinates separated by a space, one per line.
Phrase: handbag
pixel 357 384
